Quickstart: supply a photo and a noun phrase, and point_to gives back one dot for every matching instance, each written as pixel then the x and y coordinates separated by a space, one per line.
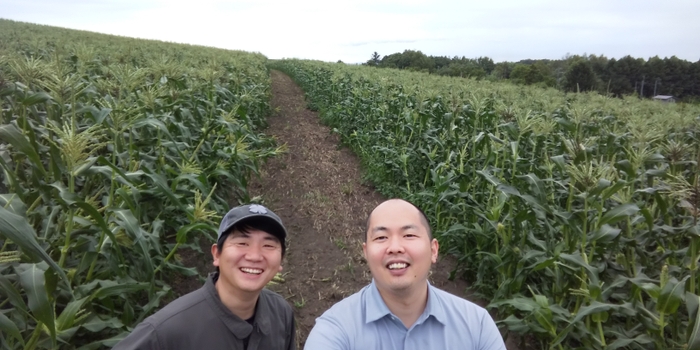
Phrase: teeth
pixel 395 266
pixel 253 271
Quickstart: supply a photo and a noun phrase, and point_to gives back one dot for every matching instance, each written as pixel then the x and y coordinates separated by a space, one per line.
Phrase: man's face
pixel 248 261
pixel 398 250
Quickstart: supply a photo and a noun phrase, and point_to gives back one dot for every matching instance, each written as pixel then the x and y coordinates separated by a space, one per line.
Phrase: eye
pixel 379 238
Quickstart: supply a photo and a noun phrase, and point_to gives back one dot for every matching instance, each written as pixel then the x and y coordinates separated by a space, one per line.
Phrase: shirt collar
pixel 435 307
pixel 375 307
pixel 240 328
pixel 262 314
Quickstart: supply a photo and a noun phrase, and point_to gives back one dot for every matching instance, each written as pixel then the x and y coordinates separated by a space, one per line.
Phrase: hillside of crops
pixel 115 153
pixel 576 215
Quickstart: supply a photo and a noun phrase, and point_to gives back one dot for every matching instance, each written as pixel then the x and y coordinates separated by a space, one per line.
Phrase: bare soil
pixel 316 188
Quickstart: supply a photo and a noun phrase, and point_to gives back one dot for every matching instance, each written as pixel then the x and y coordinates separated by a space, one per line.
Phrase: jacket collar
pixel 239 327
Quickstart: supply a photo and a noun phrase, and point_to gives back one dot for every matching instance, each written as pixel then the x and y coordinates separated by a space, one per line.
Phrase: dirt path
pixel 316 188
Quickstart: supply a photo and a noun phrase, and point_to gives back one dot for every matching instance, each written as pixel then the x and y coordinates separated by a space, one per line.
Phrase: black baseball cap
pixel 243 213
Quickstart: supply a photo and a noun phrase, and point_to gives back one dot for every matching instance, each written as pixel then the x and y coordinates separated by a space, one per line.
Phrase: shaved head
pixel 409 206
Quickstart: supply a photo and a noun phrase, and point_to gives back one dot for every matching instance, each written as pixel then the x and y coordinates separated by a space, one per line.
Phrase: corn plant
pixel 114 154
pixel 576 215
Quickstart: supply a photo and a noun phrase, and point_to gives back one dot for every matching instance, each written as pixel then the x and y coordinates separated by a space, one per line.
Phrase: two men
pixel 232 310
pixel 400 309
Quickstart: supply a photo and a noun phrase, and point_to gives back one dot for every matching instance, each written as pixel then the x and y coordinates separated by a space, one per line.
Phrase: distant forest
pixel 616 77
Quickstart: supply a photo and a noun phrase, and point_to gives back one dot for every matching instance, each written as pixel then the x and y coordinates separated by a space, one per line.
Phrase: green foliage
pixel 626 76
pixel 409 59
pixel 111 150
pixel 503 70
pixel 580 77
pixel 463 69
pixel 374 60
pixel 536 73
pixel 575 214
pixel 486 64
pixel 418 61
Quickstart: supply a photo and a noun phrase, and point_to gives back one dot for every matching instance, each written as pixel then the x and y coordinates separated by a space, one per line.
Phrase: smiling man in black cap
pixel 233 310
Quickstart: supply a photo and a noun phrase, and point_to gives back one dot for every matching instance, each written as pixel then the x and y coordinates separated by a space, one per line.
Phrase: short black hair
pixel 246 225
pixel 423 219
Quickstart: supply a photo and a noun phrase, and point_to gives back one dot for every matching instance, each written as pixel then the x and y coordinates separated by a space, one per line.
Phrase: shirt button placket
pixel 407 343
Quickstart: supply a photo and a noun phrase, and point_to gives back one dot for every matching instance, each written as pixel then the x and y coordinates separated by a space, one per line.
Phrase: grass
pixel 317 197
pixel 348 188
pixel 339 243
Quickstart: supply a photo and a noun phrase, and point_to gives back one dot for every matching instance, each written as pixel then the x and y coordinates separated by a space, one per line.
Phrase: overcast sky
pixel 331 30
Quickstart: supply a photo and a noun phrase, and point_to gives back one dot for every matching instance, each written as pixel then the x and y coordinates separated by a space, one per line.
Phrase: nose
pixel 253 253
pixel 395 246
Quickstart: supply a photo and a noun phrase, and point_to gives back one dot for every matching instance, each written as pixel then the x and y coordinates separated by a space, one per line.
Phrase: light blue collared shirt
pixel 363 321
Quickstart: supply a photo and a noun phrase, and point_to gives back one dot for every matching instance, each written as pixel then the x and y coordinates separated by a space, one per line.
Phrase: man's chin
pixel 396 287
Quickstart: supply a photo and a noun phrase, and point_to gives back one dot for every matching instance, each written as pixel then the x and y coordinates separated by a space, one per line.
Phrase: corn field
pixel 576 215
pixel 115 153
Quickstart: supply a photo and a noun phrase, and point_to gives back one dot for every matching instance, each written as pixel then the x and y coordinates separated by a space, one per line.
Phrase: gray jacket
pixel 199 320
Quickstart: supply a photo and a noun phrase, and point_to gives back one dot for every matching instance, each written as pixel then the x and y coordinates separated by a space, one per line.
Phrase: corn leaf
pixel 12 202
pixel 10 134
pixel 95 324
pixel 66 319
pixel 618 213
pixel 693 304
pixel 31 277
pixel 120 288
pixel 13 295
pixel 18 231
pixel 35 98
pixel 128 222
pixel 182 232
pixel 10 328
pixel 671 296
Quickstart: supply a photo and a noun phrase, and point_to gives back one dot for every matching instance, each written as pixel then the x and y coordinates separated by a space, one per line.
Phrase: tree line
pixel 616 77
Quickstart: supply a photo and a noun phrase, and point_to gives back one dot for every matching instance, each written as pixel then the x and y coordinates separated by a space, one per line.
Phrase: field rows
pixel 114 153
pixel 575 214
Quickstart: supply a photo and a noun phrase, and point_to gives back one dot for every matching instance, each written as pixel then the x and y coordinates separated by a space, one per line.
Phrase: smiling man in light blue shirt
pixel 400 310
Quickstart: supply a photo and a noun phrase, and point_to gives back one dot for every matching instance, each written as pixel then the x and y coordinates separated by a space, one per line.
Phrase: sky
pixel 350 31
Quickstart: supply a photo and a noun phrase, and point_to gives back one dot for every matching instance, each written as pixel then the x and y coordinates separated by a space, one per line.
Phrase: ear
pixel 434 249
pixel 215 254
pixel 280 269
pixel 364 250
